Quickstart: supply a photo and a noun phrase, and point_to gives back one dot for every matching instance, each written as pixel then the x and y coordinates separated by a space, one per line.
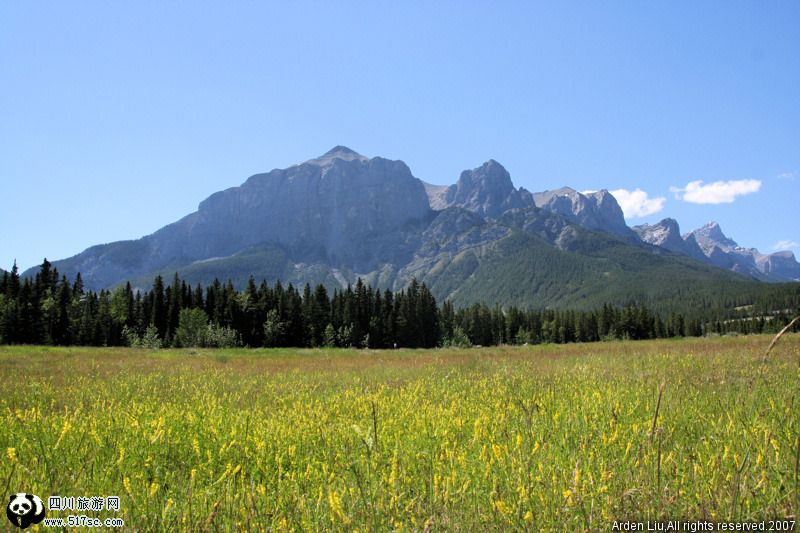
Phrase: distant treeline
pixel 50 309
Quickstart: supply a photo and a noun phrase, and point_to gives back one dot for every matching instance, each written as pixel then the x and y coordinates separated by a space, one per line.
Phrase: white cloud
pixel 636 203
pixel 719 192
pixel 788 176
pixel 785 245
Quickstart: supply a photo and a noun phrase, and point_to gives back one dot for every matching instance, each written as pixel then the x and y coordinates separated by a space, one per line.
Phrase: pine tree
pixel 174 298
pixel 77 287
pixel 428 319
pixel 62 332
pixel 13 285
pixel 320 315
pixel 158 317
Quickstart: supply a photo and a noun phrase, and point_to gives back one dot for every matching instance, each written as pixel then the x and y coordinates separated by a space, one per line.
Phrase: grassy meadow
pixel 511 438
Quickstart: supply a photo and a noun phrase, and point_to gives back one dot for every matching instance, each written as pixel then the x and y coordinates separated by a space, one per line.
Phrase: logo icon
pixel 25 509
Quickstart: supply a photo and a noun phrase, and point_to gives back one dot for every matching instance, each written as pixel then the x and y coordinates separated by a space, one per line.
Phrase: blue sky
pixel 118 118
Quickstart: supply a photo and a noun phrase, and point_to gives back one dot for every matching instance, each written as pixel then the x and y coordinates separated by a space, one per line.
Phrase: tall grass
pixel 527 438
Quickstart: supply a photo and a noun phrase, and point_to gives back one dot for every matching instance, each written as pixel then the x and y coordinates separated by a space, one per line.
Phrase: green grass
pixel 524 438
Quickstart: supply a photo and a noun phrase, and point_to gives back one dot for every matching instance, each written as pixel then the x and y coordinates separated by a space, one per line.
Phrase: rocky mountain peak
pixel 671 224
pixel 604 198
pixel 724 252
pixel 338 207
pixel 486 190
pixel 597 210
pixel 780 264
pixel 491 176
pixel 667 235
pixel 710 235
pixel 713 231
pixel 337 152
pixel 664 232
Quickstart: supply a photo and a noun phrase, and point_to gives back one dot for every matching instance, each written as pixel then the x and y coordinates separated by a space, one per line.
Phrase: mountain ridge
pixel 342 215
pixel 726 253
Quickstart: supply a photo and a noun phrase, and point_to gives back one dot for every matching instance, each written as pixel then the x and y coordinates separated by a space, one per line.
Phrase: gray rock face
pixel 597 211
pixel 726 253
pixel 436 196
pixel 667 235
pixel 710 236
pixel 780 264
pixel 694 248
pixel 486 190
pixel 331 205
pixel 456 228
pixel 341 209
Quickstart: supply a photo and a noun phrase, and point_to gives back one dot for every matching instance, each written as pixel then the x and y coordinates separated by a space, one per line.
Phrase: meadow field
pixel 527 438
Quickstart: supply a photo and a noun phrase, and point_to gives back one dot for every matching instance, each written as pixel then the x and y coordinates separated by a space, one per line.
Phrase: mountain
pixel 781 265
pixel 711 245
pixel 711 236
pixel 341 209
pixel 342 216
pixel 592 210
pixel 667 234
pixel 534 257
pixel 726 253
pixel 486 190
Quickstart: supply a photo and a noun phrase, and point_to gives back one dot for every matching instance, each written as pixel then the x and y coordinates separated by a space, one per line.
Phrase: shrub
pixel 192 330
pixel 149 339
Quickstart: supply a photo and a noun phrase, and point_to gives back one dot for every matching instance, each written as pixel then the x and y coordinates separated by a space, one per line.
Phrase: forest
pixel 53 310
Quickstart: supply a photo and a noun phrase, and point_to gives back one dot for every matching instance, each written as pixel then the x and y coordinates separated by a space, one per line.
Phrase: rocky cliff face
pixel 667 235
pixel 726 253
pixel 711 245
pixel 486 190
pixel 710 236
pixel 597 211
pixel 780 264
pixel 341 209
pixel 329 207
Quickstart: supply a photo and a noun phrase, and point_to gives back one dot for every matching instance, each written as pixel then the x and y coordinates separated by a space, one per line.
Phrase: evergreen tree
pixel 62 331
pixel 174 299
pixel 158 317
pixel 320 316
pixel 49 309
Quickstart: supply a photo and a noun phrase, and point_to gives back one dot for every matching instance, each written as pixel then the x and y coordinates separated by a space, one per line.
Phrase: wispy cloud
pixel 785 245
pixel 636 203
pixel 719 192
pixel 788 176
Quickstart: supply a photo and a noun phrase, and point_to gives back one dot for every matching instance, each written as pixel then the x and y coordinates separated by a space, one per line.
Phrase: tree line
pixel 51 309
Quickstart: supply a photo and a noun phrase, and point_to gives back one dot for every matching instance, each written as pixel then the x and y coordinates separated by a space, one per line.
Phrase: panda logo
pixel 25 509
